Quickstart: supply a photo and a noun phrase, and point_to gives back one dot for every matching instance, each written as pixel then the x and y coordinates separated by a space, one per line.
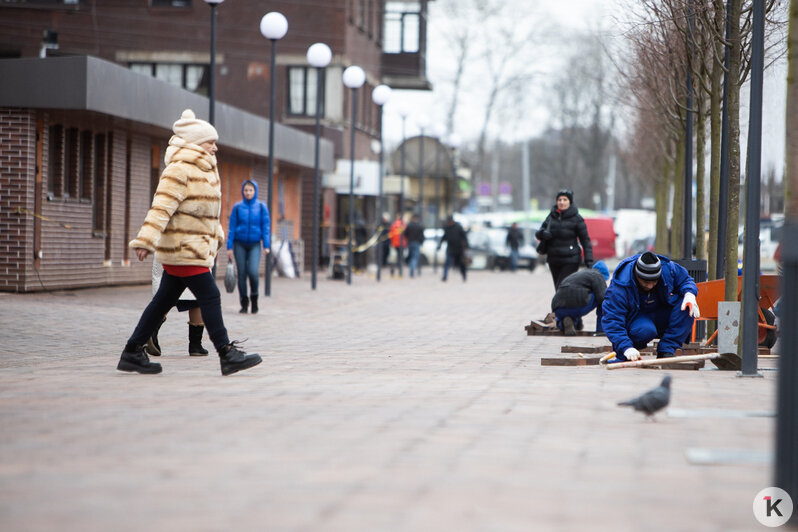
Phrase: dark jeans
pixel 248 263
pixel 561 271
pixel 204 289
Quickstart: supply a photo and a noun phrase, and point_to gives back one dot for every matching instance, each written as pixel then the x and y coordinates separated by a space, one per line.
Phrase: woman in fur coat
pixel 182 229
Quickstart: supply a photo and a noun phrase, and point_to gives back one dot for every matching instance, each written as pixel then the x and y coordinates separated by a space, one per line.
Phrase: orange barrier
pixel 711 292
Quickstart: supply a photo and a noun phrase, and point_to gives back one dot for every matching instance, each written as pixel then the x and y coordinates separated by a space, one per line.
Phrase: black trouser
pixel 561 271
pixel 210 302
pixel 452 260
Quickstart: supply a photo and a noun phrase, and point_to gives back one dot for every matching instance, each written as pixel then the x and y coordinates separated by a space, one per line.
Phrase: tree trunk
pixel 715 97
pixel 661 206
pixel 700 178
pixel 733 219
pixel 677 216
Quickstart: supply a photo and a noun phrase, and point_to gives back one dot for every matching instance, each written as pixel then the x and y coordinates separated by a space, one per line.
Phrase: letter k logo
pixel 772 506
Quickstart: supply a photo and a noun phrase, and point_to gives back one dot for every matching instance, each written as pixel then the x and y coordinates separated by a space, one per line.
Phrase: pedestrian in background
pixel 384 247
pixel 577 295
pixel 514 240
pixel 415 237
pixel 187 302
pixel 250 225
pixel 398 240
pixel 558 238
pixel 456 245
pixel 182 228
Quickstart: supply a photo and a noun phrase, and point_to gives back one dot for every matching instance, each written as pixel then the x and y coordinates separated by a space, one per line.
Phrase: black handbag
pixel 230 277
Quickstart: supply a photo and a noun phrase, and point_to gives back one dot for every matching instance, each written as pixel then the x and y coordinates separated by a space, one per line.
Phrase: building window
pixel 402 27
pixel 361 14
pixel 70 183
pixel 302 91
pixel 42 2
pixel 170 3
pixel 99 183
pixel 55 157
pixel 193 77
pixel 85 164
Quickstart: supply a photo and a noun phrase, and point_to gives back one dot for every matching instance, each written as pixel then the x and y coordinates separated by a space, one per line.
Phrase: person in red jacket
pixel 398 240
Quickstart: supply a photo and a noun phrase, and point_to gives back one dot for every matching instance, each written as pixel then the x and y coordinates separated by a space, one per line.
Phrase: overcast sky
pixel 574 16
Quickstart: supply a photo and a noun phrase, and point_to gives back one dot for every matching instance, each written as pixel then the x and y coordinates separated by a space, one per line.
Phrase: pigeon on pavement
pixel 653 400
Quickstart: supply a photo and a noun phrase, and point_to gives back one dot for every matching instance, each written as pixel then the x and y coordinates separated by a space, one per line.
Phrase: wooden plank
pixel 553 332
pixel 570 361
pixel 585 349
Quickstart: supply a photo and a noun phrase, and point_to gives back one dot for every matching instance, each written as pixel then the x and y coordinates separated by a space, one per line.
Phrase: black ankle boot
pixel 244 304
pixel 195 348
pixel 135 359
pixel 153 348
pixel 234 359
pixel 254 300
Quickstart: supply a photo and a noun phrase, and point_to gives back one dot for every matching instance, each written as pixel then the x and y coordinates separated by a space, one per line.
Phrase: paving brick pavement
pixel 408 405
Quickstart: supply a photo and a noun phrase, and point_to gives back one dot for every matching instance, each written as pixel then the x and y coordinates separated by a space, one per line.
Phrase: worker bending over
pixel 649 297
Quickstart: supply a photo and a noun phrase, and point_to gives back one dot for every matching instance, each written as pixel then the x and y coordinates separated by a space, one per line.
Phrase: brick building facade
pixel 169 40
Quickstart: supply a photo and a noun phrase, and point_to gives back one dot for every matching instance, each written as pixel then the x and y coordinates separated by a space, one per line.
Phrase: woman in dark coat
pixel 558 238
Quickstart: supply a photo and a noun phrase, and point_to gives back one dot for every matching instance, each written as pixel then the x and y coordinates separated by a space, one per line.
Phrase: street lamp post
pixel 454 143
pixel 380 95
pixel 212 76
pixel 439 130
pixel 421 122
pixel 353 77
pixel 404 111
pixel 750 292
pixel 273 26
pixel 319 56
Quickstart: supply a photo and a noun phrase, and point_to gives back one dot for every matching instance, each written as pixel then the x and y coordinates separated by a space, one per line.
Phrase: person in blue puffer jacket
pixel 649 297
pixel 249 226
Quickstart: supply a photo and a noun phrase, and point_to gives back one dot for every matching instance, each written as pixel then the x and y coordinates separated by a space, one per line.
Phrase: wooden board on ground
pixel 584 349
pixel 538 328
pixel 575 360
pixel 692 365
pixel 669 363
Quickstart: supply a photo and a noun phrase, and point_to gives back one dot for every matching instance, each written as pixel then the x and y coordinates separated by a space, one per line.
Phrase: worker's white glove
pixel 631 354
pixel 689 301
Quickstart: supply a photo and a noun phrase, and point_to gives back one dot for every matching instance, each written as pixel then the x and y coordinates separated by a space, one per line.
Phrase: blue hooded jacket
pixel 622 303
pixel 249 220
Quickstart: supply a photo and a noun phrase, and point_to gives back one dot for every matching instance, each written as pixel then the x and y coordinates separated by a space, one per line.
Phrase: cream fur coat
pixel 182 227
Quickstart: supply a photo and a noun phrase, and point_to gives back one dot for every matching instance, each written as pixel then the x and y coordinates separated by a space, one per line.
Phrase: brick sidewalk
pixel 408 405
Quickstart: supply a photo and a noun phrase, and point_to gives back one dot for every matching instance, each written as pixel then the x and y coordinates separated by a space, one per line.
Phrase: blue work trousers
pixel 670 324
pixel 577 313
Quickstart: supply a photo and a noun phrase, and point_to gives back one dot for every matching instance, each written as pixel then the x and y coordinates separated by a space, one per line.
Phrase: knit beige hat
pixel 193 130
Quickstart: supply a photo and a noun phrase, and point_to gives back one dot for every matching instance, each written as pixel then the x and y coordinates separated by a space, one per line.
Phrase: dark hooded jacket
pixel 249 220
pixel 560 232
pixel 456 239
pixel 574 291
pixel 622 302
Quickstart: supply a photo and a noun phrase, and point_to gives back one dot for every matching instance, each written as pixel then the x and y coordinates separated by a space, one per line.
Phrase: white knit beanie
pixel 193 130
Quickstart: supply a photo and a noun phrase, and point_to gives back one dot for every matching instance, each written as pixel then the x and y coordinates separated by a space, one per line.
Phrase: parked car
pixel 429 249
pixel 481 248
pixel 602 236
pixel 527 255
pixel 641 245
pixel 769 237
